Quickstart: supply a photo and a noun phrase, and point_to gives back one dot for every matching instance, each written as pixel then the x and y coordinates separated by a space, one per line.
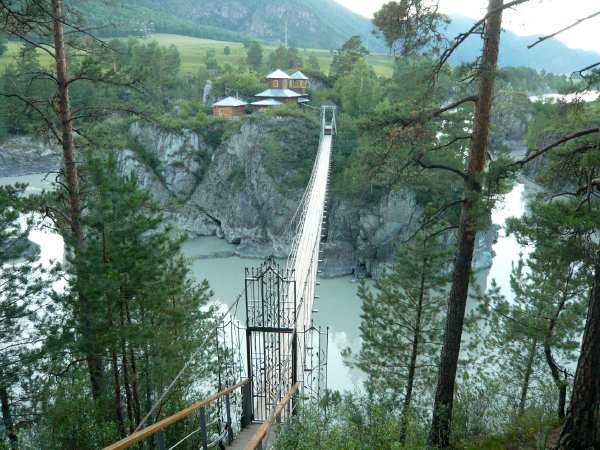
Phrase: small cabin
pixel 278 79
pixel 298 82
pixel 280 95
pixel 229 107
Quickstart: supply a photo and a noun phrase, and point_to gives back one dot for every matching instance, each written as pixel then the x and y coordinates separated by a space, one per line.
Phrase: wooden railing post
pixel 203 431
pixel 259 439
pixel 156 428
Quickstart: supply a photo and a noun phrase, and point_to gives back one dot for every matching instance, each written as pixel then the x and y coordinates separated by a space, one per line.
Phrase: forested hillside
pixel 310 24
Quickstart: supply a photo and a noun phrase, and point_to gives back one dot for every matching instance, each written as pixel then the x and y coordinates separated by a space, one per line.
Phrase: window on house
pixel 275 83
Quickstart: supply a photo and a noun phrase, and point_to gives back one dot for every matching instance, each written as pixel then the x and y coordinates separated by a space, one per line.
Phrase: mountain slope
pixel 310 23
pixel 552 55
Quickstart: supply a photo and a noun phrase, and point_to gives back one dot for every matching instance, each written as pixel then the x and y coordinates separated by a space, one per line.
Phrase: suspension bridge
pixel 264 365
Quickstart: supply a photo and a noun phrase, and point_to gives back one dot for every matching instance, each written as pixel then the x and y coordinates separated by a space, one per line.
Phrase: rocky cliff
pixel 225 189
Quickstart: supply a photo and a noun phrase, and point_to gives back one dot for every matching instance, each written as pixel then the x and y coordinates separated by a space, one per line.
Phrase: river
pixel 338 306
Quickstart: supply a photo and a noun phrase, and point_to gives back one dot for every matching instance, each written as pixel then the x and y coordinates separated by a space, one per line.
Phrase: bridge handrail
pixel 164 423
pixel 260 435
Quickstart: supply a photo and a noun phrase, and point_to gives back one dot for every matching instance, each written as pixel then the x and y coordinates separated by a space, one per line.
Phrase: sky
pixel 538 17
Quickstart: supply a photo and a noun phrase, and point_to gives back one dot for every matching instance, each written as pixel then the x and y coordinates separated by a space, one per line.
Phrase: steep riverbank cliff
pixel 245 186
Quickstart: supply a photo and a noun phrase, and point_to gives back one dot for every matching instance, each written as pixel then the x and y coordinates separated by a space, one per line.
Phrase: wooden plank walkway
pixel 244 437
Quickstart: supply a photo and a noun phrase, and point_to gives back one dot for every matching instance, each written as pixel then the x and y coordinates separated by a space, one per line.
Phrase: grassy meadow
pixel 192 51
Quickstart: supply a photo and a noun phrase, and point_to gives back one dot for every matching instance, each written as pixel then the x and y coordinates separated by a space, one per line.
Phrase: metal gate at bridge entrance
pixel 278 354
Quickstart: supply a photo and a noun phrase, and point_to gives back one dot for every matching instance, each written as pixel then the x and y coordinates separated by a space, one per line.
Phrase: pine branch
pixel 555 144
pixel 562 30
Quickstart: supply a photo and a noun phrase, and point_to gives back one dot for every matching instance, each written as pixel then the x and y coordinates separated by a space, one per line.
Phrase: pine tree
pixel 439 436
pixel 148 315
pixel 347 56
pixel 254 55
pixel 401 324
pixel 20 292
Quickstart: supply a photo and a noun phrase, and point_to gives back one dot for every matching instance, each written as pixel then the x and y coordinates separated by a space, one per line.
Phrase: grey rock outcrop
pixel 24 155
pixel 227 192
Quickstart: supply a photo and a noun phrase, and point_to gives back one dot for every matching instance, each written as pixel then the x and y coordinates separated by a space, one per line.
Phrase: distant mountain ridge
pixel 551 55
pixel 309 23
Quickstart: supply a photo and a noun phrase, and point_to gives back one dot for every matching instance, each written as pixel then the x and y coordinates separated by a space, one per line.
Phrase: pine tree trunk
pixel 527 378
pixel 582 427
pixel 555 371
pixel 552 365
pixel 439 436
pixel 7 419
pixel 135 385
pixel 72 182
pixel 413 358
pixel 126 382
pixel 117 388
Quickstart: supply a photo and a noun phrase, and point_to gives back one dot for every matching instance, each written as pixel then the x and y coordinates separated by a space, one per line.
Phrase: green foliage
pixel 188 114
pixel 254 55
pixel 284 58
pixel 313 63
pixel 289 147
pixel 238 83
pixel 216 131
pixel 237 177
pixel 344 423
pixel 401 324
pixel 22 294
pixel 3 44
pixel 74 421
pixel 210 60
pixel 347 56
pixel 146 314
pixel 20 111
pixel 410 26
pixel 360 90
pixel 344 146
pixel 530 81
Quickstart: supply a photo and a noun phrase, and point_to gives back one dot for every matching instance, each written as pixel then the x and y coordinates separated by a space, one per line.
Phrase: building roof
pixel 303 100
pixel 298 76
pixel 278 93
pixel 278 75
pixel 267 102
pixel 230 101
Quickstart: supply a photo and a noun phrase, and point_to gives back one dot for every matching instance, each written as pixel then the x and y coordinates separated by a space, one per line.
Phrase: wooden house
pixel 298 82
pixel 278 79
pixel 229 108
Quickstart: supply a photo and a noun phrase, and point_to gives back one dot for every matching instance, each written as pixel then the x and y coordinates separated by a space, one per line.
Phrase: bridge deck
pixel 244 437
